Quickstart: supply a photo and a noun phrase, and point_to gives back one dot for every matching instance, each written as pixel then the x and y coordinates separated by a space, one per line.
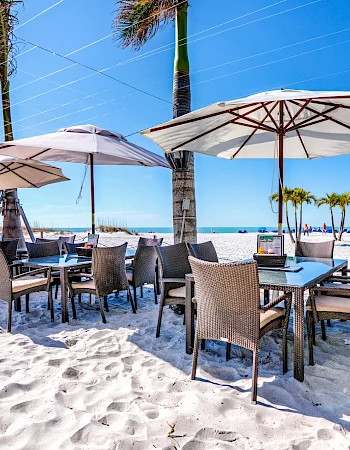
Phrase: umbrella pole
pixel 280 170
pixel 92 190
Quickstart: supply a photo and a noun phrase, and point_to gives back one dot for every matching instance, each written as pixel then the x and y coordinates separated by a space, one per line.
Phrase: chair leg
pixel 195 358
pixel 329 323
pixel 160 314
pixel 135 296
pixel 9 317
pixel 105 303
pixel 79 298
pixel 313 333
pixel 56 292
pixel 255 376
pixel 310 337
pixel 323 330
pixel 27 303
pixel 202 344
pixel 284 351
pixel 228 351
pixel 155 294
pixel 73 307
pixel 50 301
pixel 101 310
pixel 18 306
pixel 141 291
pixel 133 303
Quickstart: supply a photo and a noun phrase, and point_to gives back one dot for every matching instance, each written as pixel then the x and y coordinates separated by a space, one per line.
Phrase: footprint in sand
pixel 56 362
pixel 119 406
pixel 71 374
pixel 26 407
pixel 325 434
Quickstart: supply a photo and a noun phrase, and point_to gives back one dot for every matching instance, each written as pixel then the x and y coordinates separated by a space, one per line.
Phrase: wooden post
pixel 280 170
pixel 92 190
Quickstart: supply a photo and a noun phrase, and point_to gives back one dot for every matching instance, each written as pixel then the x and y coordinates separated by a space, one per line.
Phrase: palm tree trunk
pixel 333 228
pixel 300 220
pixel 288 225
pixel 182 162
pixel 297 237
pixel 12 228
pixel 342 225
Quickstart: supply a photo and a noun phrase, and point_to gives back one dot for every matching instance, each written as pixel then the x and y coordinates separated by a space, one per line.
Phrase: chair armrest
pixel 81 274
pixel 172 280
pixel 330 290
pixel 337 278
pixel 32 272
pixel 287 297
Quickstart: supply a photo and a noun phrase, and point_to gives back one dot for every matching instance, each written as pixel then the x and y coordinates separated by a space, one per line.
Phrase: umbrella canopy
pixel 19 173
pixel 275 124
pixel 87 144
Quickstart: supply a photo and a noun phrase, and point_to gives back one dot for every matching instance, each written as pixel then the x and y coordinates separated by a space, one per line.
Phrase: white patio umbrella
pixel 19 173
pixel 275 124
pixel 86 144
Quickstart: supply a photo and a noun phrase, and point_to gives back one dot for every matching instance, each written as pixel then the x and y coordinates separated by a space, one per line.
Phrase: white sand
pixel 85 385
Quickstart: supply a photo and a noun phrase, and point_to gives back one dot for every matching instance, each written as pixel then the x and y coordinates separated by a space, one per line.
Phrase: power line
pixel 42 12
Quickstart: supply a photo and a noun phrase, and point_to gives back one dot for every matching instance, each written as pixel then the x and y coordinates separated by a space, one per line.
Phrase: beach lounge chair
pixel 14 287
pixel 143 270
pixel 228 309
pixel 108 276
pixel 173 261
pixel 205 251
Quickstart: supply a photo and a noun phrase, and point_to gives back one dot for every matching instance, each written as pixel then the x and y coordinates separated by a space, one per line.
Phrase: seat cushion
pixel 178 292
pixel 88 284
pixel 330 303
pixel 271 314
pixel 337 285
pixel 27 282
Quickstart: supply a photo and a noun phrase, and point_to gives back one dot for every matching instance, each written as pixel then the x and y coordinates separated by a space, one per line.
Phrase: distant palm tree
pixel 343 202
pixel 331 200
pixel 137 21
pixel 302 196
pixel 287 197
pixel 12 227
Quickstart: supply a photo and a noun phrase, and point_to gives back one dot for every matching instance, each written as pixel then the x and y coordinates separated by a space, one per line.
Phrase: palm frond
pixel 137 21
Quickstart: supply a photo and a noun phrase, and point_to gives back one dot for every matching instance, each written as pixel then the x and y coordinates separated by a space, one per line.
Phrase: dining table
pixel 63 264
pixel 298 275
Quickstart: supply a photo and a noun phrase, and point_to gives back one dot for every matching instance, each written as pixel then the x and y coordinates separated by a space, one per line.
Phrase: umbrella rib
pixel 19 176
pixel 38 154
pixel 255 122
pixel 195 119
pixel 20 165
pixel 297 132
pixel 212 130
pixel 328 104
pixel 318 114
pixel 301 109
pixel 253 132
pixel 270 115
pixel 324 114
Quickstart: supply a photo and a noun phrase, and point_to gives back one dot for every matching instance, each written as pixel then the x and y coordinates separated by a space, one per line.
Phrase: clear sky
pixel 236 48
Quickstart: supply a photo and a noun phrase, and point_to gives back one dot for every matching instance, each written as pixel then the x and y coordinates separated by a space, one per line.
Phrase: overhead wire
pixel 41 13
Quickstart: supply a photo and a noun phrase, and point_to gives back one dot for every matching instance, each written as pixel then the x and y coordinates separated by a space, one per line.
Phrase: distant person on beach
pixel 310 229
pixel 324 229
pixel 306 229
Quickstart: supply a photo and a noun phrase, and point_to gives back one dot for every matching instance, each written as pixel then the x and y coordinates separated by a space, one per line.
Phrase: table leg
pixel 266 296
pixel 64 296
pixel 189 316
pixel 299 335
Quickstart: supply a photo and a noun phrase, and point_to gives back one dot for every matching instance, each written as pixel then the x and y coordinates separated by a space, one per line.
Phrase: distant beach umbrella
pixel 19 173
pixel 86 144
pixel 276 124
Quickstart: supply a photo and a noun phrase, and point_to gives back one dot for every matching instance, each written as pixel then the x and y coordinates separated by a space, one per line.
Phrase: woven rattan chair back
pixel 173 260
pixel 38 250
pixel 108 268
pixel 144 265
pixel 150 241
pixel 71 248
pixel 9 249
pixel 228 300
pixel 315 249
pixel 5 279
pixel 69 239
pixel 205 251
pixel 59 241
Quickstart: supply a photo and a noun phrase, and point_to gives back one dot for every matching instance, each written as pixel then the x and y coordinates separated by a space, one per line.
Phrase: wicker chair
pixel 315 249
pixel 143 270
pixel 43 249
pixel 108 276
pixel 150 241
pixel 71 248
pixel 205 251
pixel 228 309
pixel 12 288
pixel 325 302
pixel 174 265
pixel 9 249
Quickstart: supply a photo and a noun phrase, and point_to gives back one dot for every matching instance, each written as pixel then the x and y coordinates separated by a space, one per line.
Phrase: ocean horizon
pixel 204 230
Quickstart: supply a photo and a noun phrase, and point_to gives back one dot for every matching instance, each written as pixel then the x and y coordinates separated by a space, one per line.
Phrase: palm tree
pixel 343 202
pixel 12 223
pixel 137 21
pixel 302 196
pixel 287 197
pixel 331 200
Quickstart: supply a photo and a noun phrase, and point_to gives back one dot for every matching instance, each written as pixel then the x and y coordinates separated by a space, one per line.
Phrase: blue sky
pixel 235 48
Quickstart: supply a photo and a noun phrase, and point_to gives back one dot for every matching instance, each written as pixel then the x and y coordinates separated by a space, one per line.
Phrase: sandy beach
pixel 86 385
